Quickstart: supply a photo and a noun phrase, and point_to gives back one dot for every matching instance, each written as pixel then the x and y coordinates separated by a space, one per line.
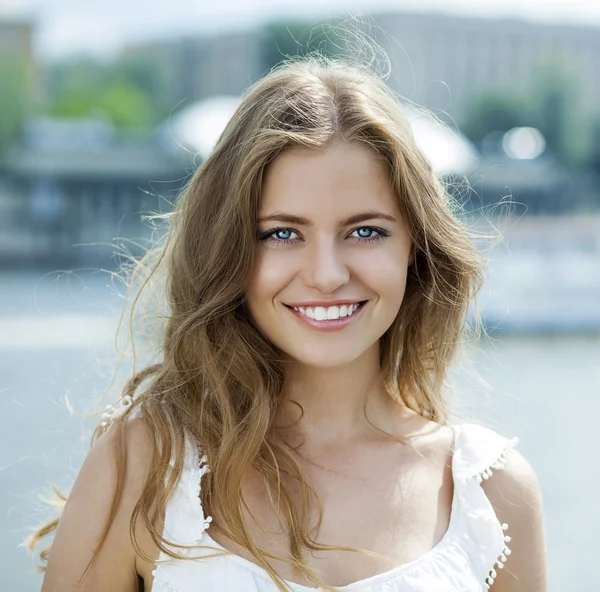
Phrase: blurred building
pixel 442 61
pixel 544 276
pixel 16 42
pixel 73 182
pixel 439 61
pixel 194 68
pixel 74 190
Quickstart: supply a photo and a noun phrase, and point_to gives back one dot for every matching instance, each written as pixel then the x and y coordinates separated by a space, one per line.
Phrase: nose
pixel 324 267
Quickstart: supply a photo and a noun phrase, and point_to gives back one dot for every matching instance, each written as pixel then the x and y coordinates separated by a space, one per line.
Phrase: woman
pixel 295 432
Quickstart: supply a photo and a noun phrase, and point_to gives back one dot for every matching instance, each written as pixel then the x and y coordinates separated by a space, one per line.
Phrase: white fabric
pixel 464 560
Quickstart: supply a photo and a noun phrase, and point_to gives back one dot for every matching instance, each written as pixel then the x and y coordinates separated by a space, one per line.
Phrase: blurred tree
pixel 80 75
pixel 550 105
pixel 557 113
pixel 281 39
pixel 593 156
pixel 493 111
pixel 124 91
pixel 143 73
pixel 15 101
pixel 127 106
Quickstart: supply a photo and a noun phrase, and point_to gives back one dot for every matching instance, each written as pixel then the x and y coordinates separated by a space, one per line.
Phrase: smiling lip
pixel 331 325
pixel 323 303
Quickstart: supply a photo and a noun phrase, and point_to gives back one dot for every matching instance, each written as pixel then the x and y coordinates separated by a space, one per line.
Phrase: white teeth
pixel 320 313
pixel 331 313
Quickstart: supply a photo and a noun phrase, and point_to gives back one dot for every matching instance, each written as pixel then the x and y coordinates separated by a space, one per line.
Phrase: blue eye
pixel 369 230
pixel 284 234
pixel 270 236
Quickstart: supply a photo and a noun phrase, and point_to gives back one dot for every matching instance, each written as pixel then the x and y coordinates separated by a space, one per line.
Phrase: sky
pixel 102 27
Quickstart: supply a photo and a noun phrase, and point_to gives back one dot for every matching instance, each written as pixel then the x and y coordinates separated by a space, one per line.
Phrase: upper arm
pixel 87 512
pixel 515 495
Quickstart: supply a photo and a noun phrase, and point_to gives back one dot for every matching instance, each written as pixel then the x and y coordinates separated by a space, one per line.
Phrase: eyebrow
pixel 301 221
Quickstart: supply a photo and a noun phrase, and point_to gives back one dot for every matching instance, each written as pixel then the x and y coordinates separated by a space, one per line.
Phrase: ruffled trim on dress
pixel 198 469
pixel 481 452
pixel 185 522
pixel 161 585
pixel 112 412
pixel 486 474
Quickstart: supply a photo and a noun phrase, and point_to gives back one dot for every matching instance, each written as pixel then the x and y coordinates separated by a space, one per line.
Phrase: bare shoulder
pixel 140 444
pixel 88 514
pixel 515 488
pixel 516 496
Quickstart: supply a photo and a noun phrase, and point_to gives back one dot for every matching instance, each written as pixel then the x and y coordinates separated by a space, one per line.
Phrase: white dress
pixel 465 560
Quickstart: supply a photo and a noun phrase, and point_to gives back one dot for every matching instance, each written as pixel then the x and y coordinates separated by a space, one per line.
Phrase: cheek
pixel 268 279
pixel 387 272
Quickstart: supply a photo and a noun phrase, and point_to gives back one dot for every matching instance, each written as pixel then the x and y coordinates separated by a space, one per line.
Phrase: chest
pixel 396 503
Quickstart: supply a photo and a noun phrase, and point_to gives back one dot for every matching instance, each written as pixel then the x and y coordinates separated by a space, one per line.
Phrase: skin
pixel 400 495
pixel 331 373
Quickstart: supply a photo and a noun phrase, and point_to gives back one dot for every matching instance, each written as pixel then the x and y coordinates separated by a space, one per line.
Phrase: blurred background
pixel 105 111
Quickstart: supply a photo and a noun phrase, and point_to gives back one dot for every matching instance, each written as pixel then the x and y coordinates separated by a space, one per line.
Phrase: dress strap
pixel 185 522
pixel 184 519
pixel 478 452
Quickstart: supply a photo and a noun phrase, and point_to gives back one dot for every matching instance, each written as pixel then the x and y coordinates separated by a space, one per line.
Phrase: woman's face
pixel 331 233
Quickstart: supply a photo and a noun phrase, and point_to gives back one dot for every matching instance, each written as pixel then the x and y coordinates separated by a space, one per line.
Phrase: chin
pixel 323 359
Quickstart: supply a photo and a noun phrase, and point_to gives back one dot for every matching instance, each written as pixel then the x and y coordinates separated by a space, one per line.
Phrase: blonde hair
pixel 220 380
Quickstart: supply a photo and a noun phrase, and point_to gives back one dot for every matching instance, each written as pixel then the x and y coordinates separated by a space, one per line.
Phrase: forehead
pixel 341 175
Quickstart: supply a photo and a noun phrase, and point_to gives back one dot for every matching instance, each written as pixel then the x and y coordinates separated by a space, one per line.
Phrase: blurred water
pixel 544 390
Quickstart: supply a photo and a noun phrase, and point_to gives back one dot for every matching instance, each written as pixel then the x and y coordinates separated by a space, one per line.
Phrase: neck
pixel 335 401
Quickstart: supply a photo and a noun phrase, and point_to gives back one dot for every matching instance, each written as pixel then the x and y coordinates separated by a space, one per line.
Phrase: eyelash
pixel 280 242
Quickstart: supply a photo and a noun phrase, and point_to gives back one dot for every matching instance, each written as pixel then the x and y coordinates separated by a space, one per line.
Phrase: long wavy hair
pixel 219 380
